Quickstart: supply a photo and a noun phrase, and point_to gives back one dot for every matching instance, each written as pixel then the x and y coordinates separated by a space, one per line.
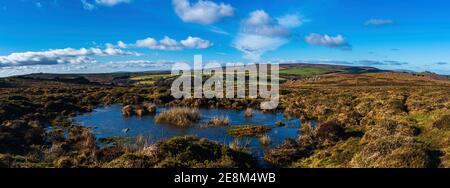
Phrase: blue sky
pixel 138 35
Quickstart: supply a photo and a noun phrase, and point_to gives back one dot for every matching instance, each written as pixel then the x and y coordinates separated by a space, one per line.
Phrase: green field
pixel 150 79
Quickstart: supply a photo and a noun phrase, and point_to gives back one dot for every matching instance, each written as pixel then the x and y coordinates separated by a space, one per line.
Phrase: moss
pixel 248 131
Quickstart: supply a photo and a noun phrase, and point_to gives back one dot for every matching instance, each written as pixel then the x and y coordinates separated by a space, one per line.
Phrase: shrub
pixel 181 117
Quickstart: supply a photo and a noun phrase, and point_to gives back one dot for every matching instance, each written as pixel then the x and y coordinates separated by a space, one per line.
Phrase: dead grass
pixel 218 121
pixel 248 113
pixel 179 116
pixel 265 140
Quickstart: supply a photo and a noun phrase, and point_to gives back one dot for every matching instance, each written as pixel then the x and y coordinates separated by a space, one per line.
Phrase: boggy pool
pixel 108 122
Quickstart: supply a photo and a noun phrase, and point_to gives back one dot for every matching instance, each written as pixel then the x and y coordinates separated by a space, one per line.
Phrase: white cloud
pixel 90 67
pixel 87 5
pixel 59 56
pixel 260 23
pixel 111 2
pixel 328 41
pixel 164 44
pixel 260 33
pixel 290 21
pixel 254 46
pixel 136 64
pixel 146 43
pixel 219 31
pixel 168 43
pixel 121 44
pixel 202 12
pixel 378 22
pixel 196 43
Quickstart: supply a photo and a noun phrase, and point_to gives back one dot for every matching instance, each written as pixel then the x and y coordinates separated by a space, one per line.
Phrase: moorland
pixel 364 117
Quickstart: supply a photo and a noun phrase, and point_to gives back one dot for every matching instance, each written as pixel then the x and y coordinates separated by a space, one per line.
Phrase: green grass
pixel 150 77
pixel 309 71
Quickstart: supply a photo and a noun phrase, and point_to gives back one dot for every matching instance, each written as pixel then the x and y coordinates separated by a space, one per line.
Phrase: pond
pixel 108 122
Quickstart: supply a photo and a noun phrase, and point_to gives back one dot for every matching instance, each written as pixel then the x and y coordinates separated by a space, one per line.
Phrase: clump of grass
pixel 149 107
pixel 179 116
pixel 265 140
pixel 139 110
pixel 127 111
pixel 218 121
pixel 235 145
pixel 248 130
pixel 248 113
pixel 280 124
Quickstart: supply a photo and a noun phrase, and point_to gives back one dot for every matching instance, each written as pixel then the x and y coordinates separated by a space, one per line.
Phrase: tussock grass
pixel 390 144
pixel 248 113
pixel 248 130
pixel 179 116
pixel 218 121
pixel 265 140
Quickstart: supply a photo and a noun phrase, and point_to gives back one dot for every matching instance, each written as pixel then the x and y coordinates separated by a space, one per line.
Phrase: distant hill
pixel 288 71
pixel 341 68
